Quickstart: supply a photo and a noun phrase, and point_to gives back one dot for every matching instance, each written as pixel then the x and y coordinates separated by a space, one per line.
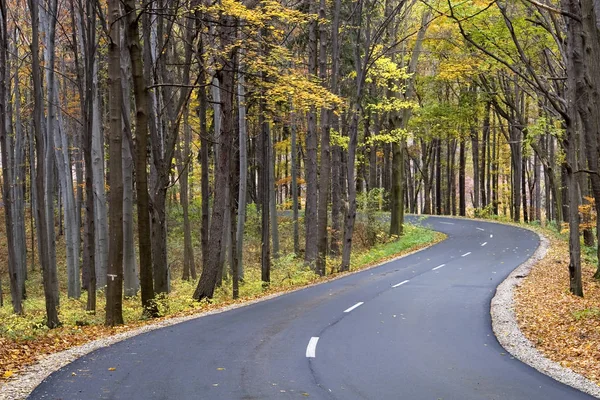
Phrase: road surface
pixel 415 328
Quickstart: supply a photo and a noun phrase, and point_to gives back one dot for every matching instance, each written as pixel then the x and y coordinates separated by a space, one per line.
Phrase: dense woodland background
pixel 124 123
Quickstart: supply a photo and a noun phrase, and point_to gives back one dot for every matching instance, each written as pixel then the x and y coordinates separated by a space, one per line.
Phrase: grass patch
pixel 414 237
pixel 586 313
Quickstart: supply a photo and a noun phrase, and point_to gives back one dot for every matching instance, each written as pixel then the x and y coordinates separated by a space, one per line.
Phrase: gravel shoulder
pixel 506 327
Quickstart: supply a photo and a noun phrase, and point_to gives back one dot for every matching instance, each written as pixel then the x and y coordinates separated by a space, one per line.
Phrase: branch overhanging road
pixel 414 328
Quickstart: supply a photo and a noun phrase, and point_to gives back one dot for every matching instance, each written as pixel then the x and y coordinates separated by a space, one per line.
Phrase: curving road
pixel 415 328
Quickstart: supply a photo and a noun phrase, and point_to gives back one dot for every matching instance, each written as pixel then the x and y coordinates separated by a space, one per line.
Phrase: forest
pixel 145 143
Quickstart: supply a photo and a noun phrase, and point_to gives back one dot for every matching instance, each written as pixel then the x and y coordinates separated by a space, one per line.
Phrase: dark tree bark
pixel 204 157
pixel 238 268
pixel 49 274
pixel 524 187
pixel 475 152
pixel 7 170
pixel 462 205
pixel 87 93
pixel 189 264
pixel 336 187
pixel 590 110
pixel 294 171
pixel 576 93
pixel 310 163
pixel 114 283
pixel 485 138
pixel 208 279
pixel 265 255
pixel 438 177
pixel 325 168
pixel 141 161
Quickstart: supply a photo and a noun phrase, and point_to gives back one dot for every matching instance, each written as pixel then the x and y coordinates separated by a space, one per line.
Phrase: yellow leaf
pixel 112 369
pixel 8 374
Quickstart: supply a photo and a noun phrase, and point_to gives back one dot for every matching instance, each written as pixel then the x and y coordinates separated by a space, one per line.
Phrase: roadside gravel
pixel 506 329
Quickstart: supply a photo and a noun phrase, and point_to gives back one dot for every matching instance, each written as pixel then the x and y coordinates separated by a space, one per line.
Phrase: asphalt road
pixel 415 328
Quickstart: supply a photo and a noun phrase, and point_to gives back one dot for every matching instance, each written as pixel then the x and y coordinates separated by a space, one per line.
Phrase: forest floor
pixel 565 328
pixel 25 339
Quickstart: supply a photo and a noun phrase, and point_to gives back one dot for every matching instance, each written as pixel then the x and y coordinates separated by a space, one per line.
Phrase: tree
pixel 7 170
pixel 141 174
pixel 208 279
pixel 114 287
pixel 325 168
pixel 50 279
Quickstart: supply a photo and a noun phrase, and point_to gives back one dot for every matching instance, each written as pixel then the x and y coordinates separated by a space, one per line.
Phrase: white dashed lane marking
pixel 466 254
pixel 483 244
pixel 311 349
pixel 401 283
pixel 360 303
pixel 438 267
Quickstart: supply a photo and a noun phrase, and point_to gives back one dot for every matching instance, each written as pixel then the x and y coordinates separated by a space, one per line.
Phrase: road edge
pixel 509 335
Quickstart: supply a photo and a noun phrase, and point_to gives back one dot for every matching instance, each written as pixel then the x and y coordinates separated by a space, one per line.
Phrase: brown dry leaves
pixel 547 313
pixel 14 355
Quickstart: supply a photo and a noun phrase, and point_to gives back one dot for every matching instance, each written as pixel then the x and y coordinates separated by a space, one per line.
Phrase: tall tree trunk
pixel 294 162
pixel 310 163
pixel 400 122
pixel 49 274
pixel 576 92
pixel 265 255
pixel 8 170
pixel 537 190
pixel 485 137
pixel 208 279
pixel 494 171
pixel 524 187
pixel 131 281
pixel 114 287
pixel 590 110
pixel 203 156
pixel 49 21
pixel 325 167
pixel 516 162
pixel 475 155
pixel 336 203
pixel 438 177
pixel 19 181
pixel 235 183
pixel 397 193
pixel 63 163
pixel 87 33
pixel 238 270
pixel 462 204
pixel 100 222
pixel 189 264
pixel 142 105
pixel 273 198
pixel 351 212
